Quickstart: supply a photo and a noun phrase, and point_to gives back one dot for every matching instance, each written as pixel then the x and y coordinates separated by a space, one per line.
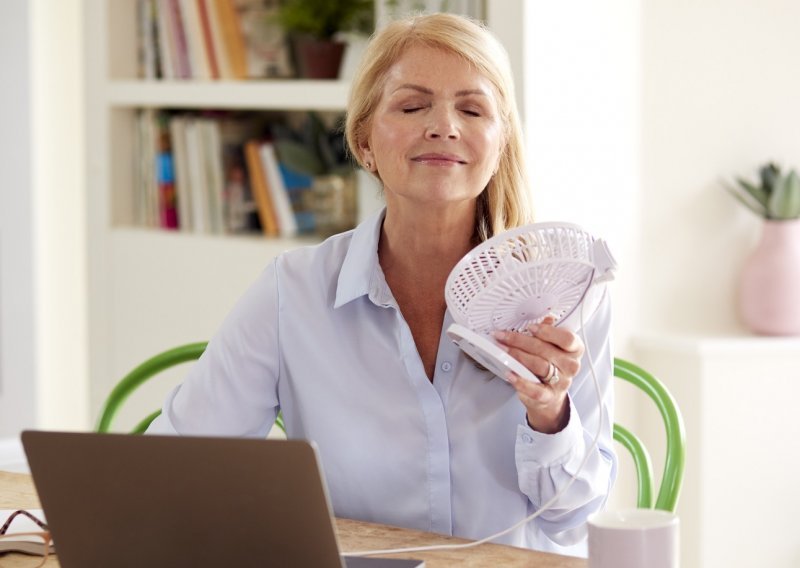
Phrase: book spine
pixel 166 45
pixel 194 159
pixel 177 128
pixel 217 41
pixel 192 28
pixel 233 38
pixel 258 185
pixel 280 197
pixel 212 169
pixel 208 39
pixel 183 68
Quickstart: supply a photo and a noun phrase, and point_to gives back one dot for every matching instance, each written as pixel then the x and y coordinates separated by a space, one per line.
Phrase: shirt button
pixel 446 366
pixel 527 438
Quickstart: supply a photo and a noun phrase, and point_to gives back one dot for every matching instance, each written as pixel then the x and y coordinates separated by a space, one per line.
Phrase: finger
pixel 562 338
pixel 524 349
pixel 535 391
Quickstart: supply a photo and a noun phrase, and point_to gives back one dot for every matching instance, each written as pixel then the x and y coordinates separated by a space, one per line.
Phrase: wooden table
pixel 17 492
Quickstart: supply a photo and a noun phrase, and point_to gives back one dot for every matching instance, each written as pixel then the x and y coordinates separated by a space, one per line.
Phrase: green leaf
pixel 770 176
pixel 758 193
pixel 784 202
pixel 299 157
pixel 754 206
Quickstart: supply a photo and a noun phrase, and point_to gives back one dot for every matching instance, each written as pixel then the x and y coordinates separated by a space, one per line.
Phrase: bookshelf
pixel 151 289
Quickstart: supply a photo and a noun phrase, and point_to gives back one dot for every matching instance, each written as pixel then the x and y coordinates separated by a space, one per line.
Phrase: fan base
pixel 487 353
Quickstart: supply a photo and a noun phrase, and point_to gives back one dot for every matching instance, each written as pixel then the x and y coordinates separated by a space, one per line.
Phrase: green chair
pixel 672 476
pixel 673 467
pixel 144 372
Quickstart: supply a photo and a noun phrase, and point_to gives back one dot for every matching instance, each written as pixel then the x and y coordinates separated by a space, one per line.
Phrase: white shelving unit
pixel 151 289
pixel 736 395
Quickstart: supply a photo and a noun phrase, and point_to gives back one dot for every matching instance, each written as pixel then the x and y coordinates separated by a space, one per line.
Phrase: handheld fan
pixel 517 278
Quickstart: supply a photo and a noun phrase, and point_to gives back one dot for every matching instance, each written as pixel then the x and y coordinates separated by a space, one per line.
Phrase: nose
pixel 442 125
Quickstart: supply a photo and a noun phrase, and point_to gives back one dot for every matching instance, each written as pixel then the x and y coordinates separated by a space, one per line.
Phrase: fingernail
pixel 501 335
pixel 533 328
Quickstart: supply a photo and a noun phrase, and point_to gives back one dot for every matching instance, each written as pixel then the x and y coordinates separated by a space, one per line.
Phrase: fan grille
pixel 517 278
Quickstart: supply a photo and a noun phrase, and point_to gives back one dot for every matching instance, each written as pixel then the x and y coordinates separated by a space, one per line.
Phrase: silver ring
pixel 552 376
pixel 556 376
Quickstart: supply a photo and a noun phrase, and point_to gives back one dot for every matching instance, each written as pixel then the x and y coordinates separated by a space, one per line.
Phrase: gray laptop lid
pixel 168 501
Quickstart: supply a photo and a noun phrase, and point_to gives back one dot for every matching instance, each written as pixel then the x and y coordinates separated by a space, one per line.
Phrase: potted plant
pixel 312 26
pixel 776 196
pixel 769 301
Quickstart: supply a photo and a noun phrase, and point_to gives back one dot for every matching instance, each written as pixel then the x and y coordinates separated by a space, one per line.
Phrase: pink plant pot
pixel 769 295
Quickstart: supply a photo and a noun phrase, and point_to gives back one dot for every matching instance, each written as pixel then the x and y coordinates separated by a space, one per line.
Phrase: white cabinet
pixel 738 396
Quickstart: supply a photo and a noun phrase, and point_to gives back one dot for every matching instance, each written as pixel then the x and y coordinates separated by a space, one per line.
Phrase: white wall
pixel 582 104
pixel 43 379
pixel 60 208
pixel 17 321
pixel 721 96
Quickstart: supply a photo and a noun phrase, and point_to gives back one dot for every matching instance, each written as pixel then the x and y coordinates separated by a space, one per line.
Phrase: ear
pixel 365 154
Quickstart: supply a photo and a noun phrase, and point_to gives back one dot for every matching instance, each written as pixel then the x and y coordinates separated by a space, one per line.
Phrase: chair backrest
pixel 139 375
pixel 144 372
pixel 672 477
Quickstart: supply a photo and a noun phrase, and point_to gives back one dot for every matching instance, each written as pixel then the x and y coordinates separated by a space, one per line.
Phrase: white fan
pixel 517 278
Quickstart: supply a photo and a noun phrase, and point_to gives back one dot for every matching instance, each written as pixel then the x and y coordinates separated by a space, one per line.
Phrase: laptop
pixel 171 501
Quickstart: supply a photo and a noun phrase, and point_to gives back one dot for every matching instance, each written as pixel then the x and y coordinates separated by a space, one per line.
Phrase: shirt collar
pixel 361 273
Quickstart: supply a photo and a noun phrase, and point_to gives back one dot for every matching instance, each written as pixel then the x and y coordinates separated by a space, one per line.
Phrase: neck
pixel 432 241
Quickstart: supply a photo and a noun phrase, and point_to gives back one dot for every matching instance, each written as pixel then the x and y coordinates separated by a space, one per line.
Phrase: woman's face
pixel 436 134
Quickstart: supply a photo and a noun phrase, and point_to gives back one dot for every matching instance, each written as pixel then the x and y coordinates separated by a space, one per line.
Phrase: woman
pixel 347 337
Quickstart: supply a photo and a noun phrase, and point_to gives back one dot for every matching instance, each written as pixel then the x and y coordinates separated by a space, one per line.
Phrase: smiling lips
pixel 435 159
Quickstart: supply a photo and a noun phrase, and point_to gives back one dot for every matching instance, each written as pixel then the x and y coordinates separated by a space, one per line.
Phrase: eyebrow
pixel 428 91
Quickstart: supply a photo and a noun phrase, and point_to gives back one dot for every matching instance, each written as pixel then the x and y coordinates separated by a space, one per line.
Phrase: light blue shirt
pixel 320 337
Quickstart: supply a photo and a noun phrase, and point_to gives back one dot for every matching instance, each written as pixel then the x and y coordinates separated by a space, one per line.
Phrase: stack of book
pixel 211 39
pixel 217 174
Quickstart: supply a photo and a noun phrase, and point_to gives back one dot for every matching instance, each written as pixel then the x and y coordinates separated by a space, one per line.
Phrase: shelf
pixel 296 94
pixel 160 241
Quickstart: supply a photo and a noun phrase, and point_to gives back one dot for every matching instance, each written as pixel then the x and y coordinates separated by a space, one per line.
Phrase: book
pixel 221 59
pixel 21 524
pixel 212 170
pixel 287 225
pixel 208 39
pixel 146 205
pixel 195 48
pixel 166 45
pixel 165 175
pixel 180 47
pixel 232 38
pixel 258 185
pixel 183 195
pixel 147 41
pixel 197 180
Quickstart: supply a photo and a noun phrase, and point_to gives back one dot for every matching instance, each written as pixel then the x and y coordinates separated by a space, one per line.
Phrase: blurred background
pixel 636 112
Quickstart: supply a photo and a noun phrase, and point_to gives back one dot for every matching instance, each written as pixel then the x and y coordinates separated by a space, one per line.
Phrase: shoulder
pixel 322 259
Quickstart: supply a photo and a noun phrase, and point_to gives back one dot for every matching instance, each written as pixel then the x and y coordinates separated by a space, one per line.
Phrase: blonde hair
pixel 505 203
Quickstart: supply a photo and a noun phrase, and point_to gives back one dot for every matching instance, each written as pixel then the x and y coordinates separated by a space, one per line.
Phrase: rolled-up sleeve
pixel 547 463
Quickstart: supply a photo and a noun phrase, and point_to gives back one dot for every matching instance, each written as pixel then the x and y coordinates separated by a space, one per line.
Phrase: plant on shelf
pixel 313 25
pixel 314 149
pixel 776 196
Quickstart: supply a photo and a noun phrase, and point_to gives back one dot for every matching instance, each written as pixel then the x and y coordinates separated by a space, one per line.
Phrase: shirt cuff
pixel 546 449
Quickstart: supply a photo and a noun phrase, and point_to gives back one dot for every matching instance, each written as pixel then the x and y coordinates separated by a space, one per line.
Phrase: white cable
pixel 541 509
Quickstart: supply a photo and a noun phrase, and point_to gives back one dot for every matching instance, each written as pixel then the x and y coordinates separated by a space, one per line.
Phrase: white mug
pixel 634 538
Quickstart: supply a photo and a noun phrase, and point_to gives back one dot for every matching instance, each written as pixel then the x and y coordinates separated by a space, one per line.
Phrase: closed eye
pixel 410 110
